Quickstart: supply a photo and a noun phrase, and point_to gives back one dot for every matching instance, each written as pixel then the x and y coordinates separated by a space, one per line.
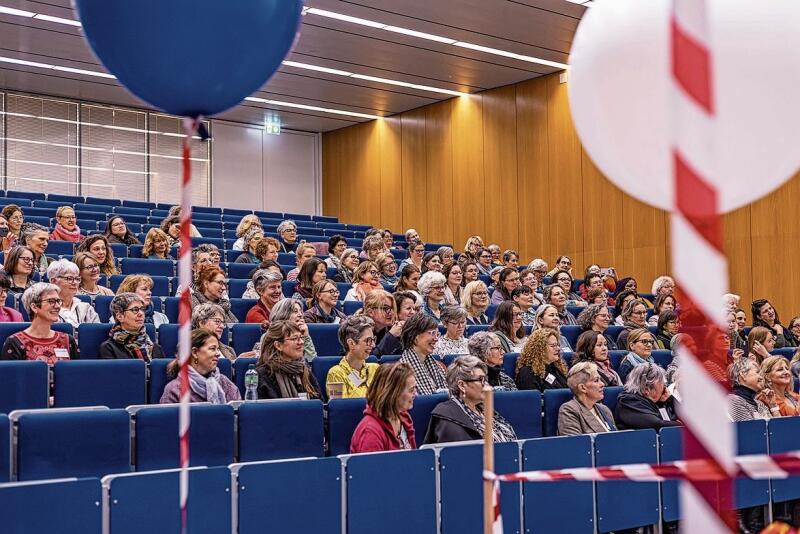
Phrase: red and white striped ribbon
pixel 754 466
pixel 185 315
pixel 700 269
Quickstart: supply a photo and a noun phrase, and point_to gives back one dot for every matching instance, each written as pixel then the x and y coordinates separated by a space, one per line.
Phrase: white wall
pixel 253 170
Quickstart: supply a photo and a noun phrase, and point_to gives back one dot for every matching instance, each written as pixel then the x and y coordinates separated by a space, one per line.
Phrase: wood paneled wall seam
pixel 507 164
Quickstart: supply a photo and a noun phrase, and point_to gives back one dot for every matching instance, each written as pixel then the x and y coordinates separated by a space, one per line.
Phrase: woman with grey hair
pixel 584 414
pixel 431 287
pixel 211 317
pixel 486 347
pixel 597 317
pixel 646 402
pixel 36 237
pixel 287 230
pixel 128 337
pixel 39 341
pixel 66 276
pixel 291 310
pixel 749 399
pixel 352 376
pixel 461 417
pixel 454 319
pixel 251 239
pixel 269 286
pixel 347 266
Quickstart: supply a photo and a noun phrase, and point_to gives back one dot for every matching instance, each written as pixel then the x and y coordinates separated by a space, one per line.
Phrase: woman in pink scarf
pixel 66 226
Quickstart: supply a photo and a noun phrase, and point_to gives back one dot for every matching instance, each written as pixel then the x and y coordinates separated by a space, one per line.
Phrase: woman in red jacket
pixel 386 425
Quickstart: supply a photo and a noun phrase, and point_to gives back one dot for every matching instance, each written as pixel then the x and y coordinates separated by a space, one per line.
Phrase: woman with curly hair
pixel 540 365
pixel 97 245
pixel 156 245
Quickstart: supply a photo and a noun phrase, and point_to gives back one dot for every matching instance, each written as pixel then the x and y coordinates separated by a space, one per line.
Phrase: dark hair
pixel 665 317
pixel 620 298
pixel 505 273
pixel 334 240
pixel 449 267
pixel 169 221
pixel 754 309
pixel 588 279
pixel 199 337
pixel 414 326
pixel 12 257
pixel 660 301
pixel 405 274
pixel 503 320
pixel 520 291
pixel 414 243
pixel 305 277
pixel 620 287
pixel 584 347
pixel 5 283
pixel 128 235
pixel 400 296
pixel 428 257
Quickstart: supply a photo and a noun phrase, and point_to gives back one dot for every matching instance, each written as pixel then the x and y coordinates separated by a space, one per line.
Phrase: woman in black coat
pixel 646 403
pixel 128 338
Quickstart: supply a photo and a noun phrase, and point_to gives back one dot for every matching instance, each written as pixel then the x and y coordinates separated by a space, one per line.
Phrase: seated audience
pixel 766 316
pixel 663 285
pixel 246 223
pixel 7 239
pixel 663 302
pixel 128 337
pixel 287 232
pixel 387 425
pixel 410 236
pixel 554 294
pixel 593 347
pixel 7 314
pixel 156 245
pixel 200 257
pixel 540 269
pixel 447 255
pixel 469 270
pixel 353 376
pixel 760 342
pixel 640 343
pixel 547 317
pixel 597 318
pixel 251 240
pixel 66 226
pixel 35 237
pixel 409 277
pixel 511 259
pixel 269 265
pixel 388 269
pixel 419 336
pixel 585 413
pixel 406 304
pixel 453 289
pixel 175 211
pixel 486 347
pixel 484 262
pixel 778 379
pixel 494 248
pixel 507 324
pixel 431 262
pixel 337 244
pixel 13 214
pixel 212 287
pixel 365 280
pixel 454 319
pixel 634 316
pixel 211 317
pixel 431 287
pixel 323 308
pixel 39 341
pixel 539 365
pixel 472 247
pixel 475 300
pixel 597 295
pixel 347 266
pixel 98 247
pixel 171 226
pixel 268 285
pixel 646 402
pixel 290 310
pixel 206 382
pixel 74 311
pixel 668 326
pixel 416 251
pixel 312 272
pixel 18 266
pixel 372 246
pixel 508 281
pixel 460 418
pixel 90 275
pixel 381 307
pixel 524 298
pixel 621 301
pixel 749 399
pixel 117 232
pixel 303 253
pixel 282 371
pixel 564 280
pixel 388 240
pixel 563 263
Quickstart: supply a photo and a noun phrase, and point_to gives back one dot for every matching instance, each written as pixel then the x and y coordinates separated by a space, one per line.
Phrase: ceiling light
pixel 17 12
pixel 346 18
pixel 84 71
pixel 317 68
pixel 421 35
pixel 25 63
pixel 57 20
pixel 512 55
pixel 311 108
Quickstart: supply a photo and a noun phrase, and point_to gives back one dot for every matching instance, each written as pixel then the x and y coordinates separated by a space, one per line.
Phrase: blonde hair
pixel 301 248
pixel 60 211
pixel 469 290
pixel 362 269
pixel 769 364
pixel 132 281
pixel 153 235
pixel 247 222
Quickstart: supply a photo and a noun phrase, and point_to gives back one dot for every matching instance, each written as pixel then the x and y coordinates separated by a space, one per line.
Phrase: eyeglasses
pixel 293 339
pixel 373 272
pixel 94 267
pixel 646 341
pixel 385 309
pixel 71 279
pixel 554 345
pixel 52 302
pixel 481 294
pixel 496 347
pixel 438 287
pixel 481 379
pixel 434 332
pixel 643 312
pixel 457 323
pixel 135 310
pixel 26 259
pixel 68 217
pixel 331 292
pixel 369 340
pixel 418 250
pixel 223 283
pixel 216 320
pixel 290 231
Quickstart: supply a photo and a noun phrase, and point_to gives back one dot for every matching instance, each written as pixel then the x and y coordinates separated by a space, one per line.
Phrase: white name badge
pixel 62 354
pixel 302 396
pixel 664 414
pixel 355 379
pixel 549 378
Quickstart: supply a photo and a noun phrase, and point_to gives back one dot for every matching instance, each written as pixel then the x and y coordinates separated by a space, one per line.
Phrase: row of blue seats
pixel 428 491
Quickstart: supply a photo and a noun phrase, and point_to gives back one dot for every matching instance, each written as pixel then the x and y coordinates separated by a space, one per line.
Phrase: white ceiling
pixel 539 28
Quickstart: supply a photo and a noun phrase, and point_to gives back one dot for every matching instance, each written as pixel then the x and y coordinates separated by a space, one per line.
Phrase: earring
pixel 195 360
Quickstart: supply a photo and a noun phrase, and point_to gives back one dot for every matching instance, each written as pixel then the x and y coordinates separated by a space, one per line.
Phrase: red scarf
pixel 62 234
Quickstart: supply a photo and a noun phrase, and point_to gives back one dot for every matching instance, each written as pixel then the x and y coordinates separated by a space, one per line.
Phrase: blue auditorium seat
pixel 320 367
pixel 610 395
pixel 522 409
pixel 216 241
pixel 104 201
pixel 211 436
pixel 411 498
pixel 72 507
pixel 91 335
pixel 623 504
pixel 301 429
pixel 24 202
pixel 8 329
pixel 145 266
pixel 460 475
pixel 240 366
pixel 168 338
pixel 207 209
pixel 615 358
pixel 5 453
pixel 553 399
pixel 472 328
pixel 72 443
pixel 60 248
pixel 421 412
pixel 138 204
pixel 147 502
pixel 783 432
pixel 565 506
pixel 240 270
pixel 288 287
pixel 245 335
pixel 127 209
pixel 236 288
pixel 662 357
pixel 26 194
pixel 343 418
pixel 283 481
pixel 571 332
pixel 510 363
pixel 111 383
pixel 171 308
pixel 352 306
pixel 326 338
pixel 24 385
pixel 751 438
pixel 118 250
pixel 102 305
pixel 158 379
pixel 44 221
pixel 670 449
pixel 240 307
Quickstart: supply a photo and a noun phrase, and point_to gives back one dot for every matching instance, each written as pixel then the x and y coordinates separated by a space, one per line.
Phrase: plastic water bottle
pixel 251 383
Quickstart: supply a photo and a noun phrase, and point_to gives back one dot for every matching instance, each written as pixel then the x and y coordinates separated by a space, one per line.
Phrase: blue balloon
pixel 191 57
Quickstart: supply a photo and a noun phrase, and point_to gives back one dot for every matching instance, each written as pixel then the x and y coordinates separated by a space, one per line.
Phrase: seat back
pixel 421 413
pixel 244 336
pixel 24 385
pixel 270 430
pixel 240 367
pixel 343 418
pixel 145 266
pixel 111 383
pixel 240 307
pixel 553 399
pixel 522 409
pixel 326 338
pixel 72 507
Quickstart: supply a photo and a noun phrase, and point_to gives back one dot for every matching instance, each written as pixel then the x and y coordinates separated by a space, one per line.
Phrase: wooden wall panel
pixel 501 224
pixel 440 168
pixel 439 165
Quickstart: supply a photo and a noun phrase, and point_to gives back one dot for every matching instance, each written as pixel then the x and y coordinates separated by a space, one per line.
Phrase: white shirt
pixel 79 312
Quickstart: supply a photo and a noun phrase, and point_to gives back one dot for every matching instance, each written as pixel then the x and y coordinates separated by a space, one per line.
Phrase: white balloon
pixel 621 95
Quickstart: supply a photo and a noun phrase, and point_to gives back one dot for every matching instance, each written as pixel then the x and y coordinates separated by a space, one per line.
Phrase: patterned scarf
pixel 292 377
pixel 429 374
pixel 502 431
pixel 62 234
pixel 207 388
pixel 138 344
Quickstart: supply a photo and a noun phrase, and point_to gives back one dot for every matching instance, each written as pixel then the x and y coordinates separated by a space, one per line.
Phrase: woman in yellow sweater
pixel 352 376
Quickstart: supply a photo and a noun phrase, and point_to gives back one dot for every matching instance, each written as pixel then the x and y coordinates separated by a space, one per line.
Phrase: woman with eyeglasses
pixel 486 347
pixel 18 266
pixel 640 344
pixel 246 222
pixel 39 341
pixel 211 287
pixel 508 281
pixel 597 318
pixel 388 268
pixel 347 266
pixel 142 285
pixel 539 365
pixel 634 316
pixel 475 301
pixel 668 327
pixel 324 297
pixel 65 275
pixel 420 334
pixel 484 262
pixel 118 232
pixel 507 324
pixel 290 310
pixel 90 275
pixel 128 337
pixel 454 319
pixel 416 251
pixel 381 307
pixel 287 230
pixel 282 370
pixel 431 286
pixel 564 280
pixel 365 280
pixel 352 376
pixel 66 226
pixel 211 317
pixel 7 314
pixel 312 272
pixel 13 214
pixel 460 418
